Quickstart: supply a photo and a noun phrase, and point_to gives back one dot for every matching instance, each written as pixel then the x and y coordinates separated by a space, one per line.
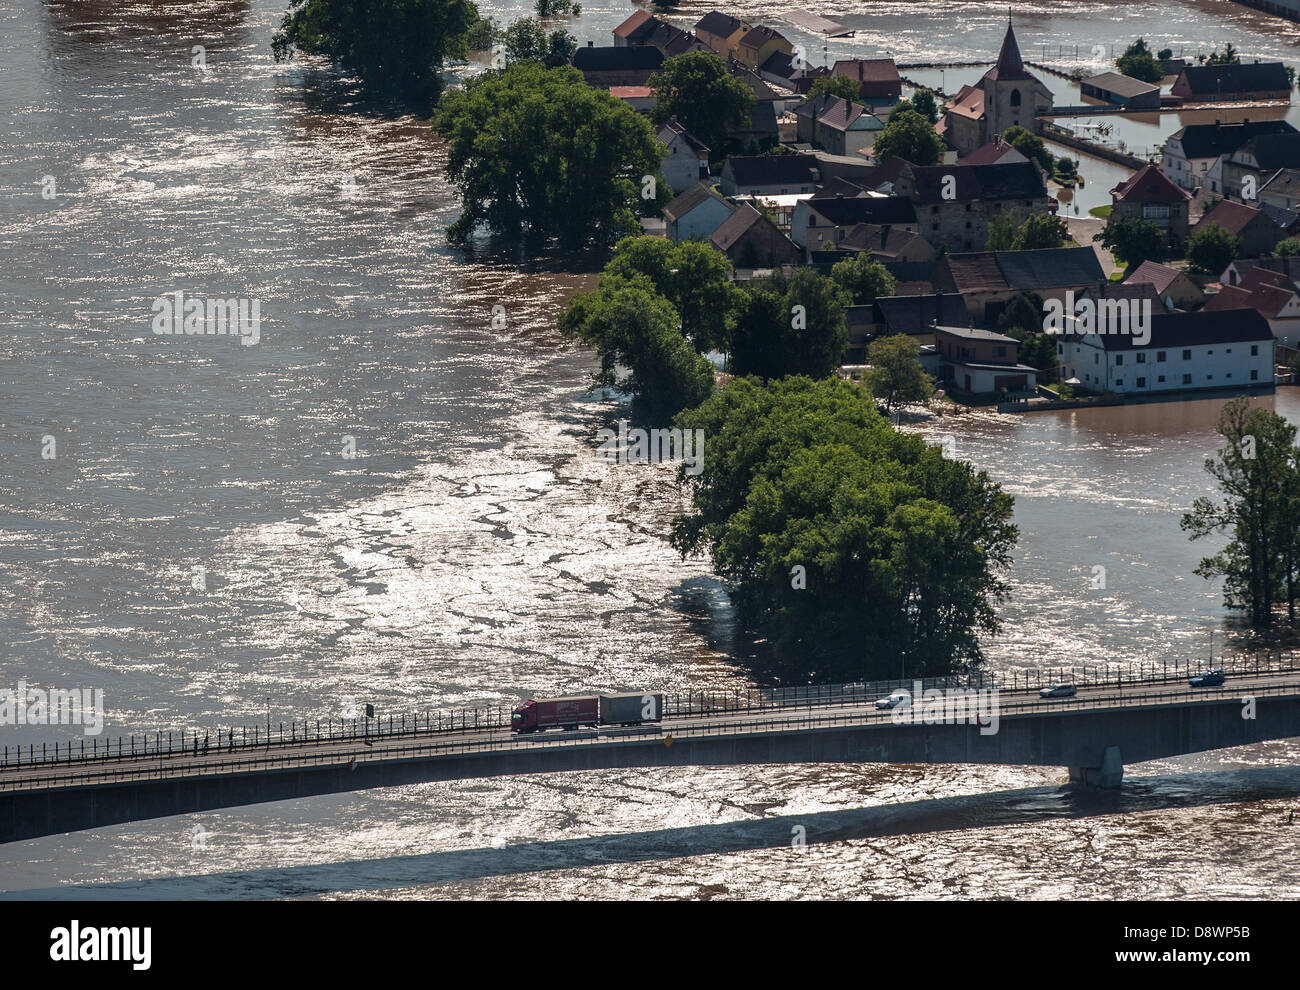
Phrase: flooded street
pixel 203 548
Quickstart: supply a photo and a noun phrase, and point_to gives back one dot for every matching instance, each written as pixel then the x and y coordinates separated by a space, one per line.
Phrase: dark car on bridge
pixel 1059 691
pixel 1211 678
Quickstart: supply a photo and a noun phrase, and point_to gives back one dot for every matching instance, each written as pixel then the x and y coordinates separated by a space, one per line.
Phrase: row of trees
pixel 1133 240
pixel 1258 471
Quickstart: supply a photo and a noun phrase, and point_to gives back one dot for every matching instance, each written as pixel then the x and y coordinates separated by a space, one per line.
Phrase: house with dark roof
pixel 840 126
pixel 879 84
pixel 1120 90
pixel 954 203
pixel 751 240
pixel 758 43
pixel 635 30
pixel 988 280
pixel 981 362
pixel 696 213
pixel 1248 169
pixel 1221 350
pixel 996 152
pixel 1275 295
pixel 1192 152
pixel 1008 95
pixel 885 242
pixel 610 66
pixel 672 40
pixel 823 223
pixel 687 158
pixel 1257 230
pixel 776 175
pixel 721 32
pixel 1150 195
pixel 1173 287
pixel 1282 189
pixel 1235 81
pixel 918 315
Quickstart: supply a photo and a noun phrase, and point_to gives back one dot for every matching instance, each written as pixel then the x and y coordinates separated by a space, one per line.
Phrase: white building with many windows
pixel 1228 349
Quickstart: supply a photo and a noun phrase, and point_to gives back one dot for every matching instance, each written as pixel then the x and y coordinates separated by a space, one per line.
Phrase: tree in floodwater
pixel 857 550
pixel 395 47
pixel 1258 471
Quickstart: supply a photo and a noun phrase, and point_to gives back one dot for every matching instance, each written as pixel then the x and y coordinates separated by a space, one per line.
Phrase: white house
pixel 697 212
pixel 1228 349
pixel 687 160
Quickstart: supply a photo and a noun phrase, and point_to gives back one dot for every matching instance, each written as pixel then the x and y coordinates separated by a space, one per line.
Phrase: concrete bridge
pixel 1108 723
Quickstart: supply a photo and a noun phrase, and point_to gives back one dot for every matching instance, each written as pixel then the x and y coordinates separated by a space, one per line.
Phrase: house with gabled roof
pixel 886 242
pixel 773 175
pixel 696 213
pixel 1235 81
pixel 1257 230
pixel 610 66
pixel 879 84
pixel 981 362
pixel 1174 288
pixel 917 315
pixel 1148 194
pixel 1250 167
pixel 988 280
pixel 1191 153
pixel 1282 189
pixel 687 160
pixel 721 32
pixel 758 43
pixel 750 240
pixel 954 203
pixel 840 126
pixel 819 224
pixel 635 30
pixel 996 152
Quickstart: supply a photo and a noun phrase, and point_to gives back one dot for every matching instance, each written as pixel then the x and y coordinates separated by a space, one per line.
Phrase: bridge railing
pixel 43 778
pixel 305 733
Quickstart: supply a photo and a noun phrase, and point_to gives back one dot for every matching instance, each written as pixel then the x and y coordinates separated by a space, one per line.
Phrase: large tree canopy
pixel 394 46
pixel 901 549
pixel 789 326
pixel 706 99
pixel 541 157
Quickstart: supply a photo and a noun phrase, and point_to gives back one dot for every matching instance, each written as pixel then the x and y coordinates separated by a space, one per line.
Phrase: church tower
pixel 1012 94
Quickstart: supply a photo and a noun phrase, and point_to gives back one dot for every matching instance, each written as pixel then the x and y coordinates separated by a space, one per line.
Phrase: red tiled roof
pixel 1232 217
pixel 1161 276
pixel 1149 185
pixel 631 24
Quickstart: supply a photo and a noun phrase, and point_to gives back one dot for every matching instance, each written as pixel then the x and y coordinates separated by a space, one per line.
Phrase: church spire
pixel 1010 64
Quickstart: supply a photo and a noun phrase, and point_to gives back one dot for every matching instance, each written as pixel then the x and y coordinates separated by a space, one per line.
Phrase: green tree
pixel 542 158
pixel 706 99
pixel 1138 63
pixel 909 136
pixel 631 326
pixel 841 86
pixel 896 377
pixel 1041 230
pixel 1257 474
pixel 1230 56
pixel 1133 240
pixel 924 103
pixel 395 47
pixel 1165 54
pixel 1030 145
pixel 1003 228
pixel 789 327
pixel 902 550
pixel 547 9
pixel 1211 248
pixel 1287 247
pixel 483 31
pixel 1022 316
pixel 863 279
pixel 691 275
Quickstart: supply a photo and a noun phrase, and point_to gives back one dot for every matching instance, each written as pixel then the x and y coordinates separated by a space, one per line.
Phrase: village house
pixel 1121 90
pixel 954 203
pixel 635 30
pixel 1192 151
pixel 610 66
pixel 996 152
pixel 1273 292
pixel 918 315
pixel 840 126
pixel 639 98
pixel 1282 190
pixel 1228 349
pixel 696 213
pixel 981 362
pixel 687 160
pixel 988 280
pixel 758 43
pixel 1152 196
pixel 1244 81
pixel 1250 167
pixel 1174 288
pixel 764 175
pixel 721 32
pixel 751 240
pixel 1257 229
pixel 885 242
pixel 823 223
pixel 1008 95
pixel 879 84
pixel 672 41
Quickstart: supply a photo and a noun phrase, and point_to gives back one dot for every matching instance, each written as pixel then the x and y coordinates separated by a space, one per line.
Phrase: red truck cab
pixel 524 718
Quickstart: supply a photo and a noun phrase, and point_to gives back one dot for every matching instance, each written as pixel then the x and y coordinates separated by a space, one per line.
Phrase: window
pixel 1228 375
pixel 1160 357
pixel 1254 350
pixel 1119 359
pixel 1161 378
pixel 934 226
pixel 1155 211
pixel 1119 382
pixel 1209 378
pixel 1141 358
pixel 1142 383
pixel 1254 376
pixel 1187 379
pixel 1187 355
pixel 1228 351
pixel 1015 97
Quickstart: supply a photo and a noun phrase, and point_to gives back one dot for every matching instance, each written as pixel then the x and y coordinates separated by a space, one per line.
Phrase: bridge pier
pixel 1110 774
